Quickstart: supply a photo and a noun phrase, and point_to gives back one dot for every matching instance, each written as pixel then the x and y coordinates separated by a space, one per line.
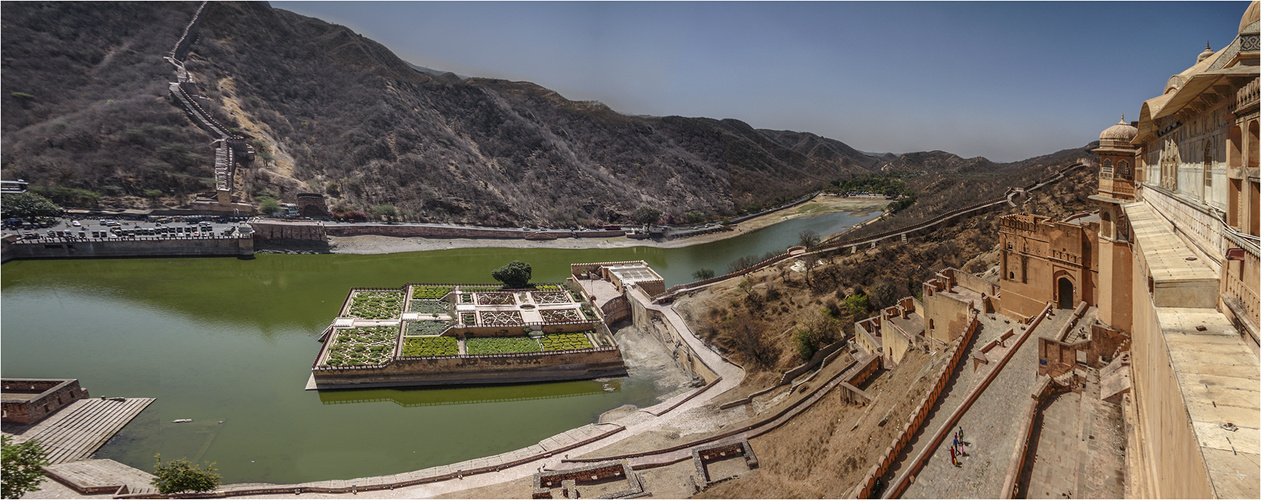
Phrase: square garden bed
pixel 430 292
pixel 430 346
pixel 495 299
pixel 376 305
pixel 372 345
pixel 500 318
pixel 425 327
pixel 560 315
pixel 428 306
pixel 562 341
pixel 501 345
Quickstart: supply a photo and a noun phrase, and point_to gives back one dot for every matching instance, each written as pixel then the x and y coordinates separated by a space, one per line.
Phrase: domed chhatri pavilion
pixel 1178 271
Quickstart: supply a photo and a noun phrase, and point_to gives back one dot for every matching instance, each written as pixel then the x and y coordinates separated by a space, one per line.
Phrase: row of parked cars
pixel 117 231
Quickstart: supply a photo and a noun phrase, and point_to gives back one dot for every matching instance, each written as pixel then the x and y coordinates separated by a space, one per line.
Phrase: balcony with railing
pixel 1116 187
pixel 1246 97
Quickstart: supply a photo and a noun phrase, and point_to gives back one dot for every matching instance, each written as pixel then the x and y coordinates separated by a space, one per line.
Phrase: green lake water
pixel 229 343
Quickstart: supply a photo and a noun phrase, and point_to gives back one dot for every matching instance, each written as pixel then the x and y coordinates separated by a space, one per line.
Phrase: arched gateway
pixel 1065 294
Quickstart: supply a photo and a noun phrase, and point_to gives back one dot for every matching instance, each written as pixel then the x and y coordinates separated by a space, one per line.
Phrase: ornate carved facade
pixel 1178 271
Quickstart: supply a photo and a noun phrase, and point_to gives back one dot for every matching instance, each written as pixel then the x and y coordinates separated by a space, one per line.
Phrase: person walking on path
pixel 953 460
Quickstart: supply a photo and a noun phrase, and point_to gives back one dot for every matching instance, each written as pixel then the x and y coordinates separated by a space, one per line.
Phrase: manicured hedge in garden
pixel 430 346
pixel 425 327
pixel 500 345
pixel 362 346
pixel 376 305
pixel 430 292
pixel 561 341
pixel 501 318
pixel 429 306
pixel 560 315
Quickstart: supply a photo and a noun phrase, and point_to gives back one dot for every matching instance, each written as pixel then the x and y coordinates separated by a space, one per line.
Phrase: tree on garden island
pixel 515 274
pixel 21 467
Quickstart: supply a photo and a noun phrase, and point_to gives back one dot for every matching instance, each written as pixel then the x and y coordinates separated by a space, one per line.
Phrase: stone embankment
pixel 448 231
pixel 90 249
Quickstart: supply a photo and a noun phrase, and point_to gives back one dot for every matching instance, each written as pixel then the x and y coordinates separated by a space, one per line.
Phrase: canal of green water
pixel 229 343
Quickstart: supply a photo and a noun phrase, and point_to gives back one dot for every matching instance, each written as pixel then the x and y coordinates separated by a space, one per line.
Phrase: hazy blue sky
pixel 1002 80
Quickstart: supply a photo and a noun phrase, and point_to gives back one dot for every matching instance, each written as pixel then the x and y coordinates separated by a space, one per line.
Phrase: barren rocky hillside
pixel 87 120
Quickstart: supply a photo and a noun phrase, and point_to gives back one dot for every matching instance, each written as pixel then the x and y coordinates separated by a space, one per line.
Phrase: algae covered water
pixel 229 343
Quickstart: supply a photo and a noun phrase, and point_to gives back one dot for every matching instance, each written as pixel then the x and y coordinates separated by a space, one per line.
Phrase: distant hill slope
pixel 85 110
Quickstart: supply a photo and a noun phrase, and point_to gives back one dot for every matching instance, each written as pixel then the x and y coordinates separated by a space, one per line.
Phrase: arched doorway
pixel 1065 293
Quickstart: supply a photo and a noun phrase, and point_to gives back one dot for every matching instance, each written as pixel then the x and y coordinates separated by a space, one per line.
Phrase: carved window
pixel 1106 171
pixel 1123 169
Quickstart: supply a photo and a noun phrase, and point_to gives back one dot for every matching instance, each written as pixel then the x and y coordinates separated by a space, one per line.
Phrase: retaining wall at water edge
pixel 482 369
pixel 90 249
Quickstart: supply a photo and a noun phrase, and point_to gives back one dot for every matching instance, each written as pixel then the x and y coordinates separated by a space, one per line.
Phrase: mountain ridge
pixel 334 112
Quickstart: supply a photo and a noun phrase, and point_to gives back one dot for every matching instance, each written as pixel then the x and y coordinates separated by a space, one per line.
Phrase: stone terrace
pixel 1079 449
pixel 991 425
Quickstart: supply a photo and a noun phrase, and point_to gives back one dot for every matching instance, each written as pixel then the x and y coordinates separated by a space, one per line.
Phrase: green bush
pixel 178 476
pixel 22 462
pixel 515 274
pixel 28 205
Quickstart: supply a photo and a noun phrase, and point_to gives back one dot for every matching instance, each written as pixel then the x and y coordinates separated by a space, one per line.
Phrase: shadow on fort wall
pixel 442 396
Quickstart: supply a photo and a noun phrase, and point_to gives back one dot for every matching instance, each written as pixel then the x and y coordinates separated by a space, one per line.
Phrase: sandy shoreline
pixel 822 204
